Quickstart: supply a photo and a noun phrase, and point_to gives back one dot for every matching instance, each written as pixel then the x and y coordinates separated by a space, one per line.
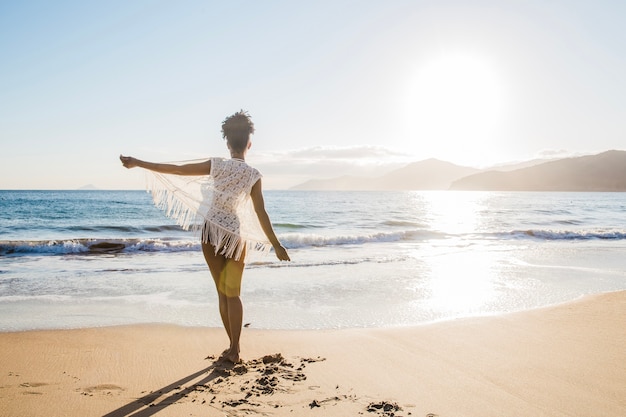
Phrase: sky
pixel 334 87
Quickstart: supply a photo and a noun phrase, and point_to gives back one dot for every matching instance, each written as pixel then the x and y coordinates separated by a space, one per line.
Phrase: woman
pixel 229 191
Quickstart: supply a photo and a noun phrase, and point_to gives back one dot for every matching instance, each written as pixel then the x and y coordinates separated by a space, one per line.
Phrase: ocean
pixel 73 259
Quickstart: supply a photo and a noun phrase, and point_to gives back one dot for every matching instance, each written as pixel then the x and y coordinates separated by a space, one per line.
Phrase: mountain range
pixel 605 171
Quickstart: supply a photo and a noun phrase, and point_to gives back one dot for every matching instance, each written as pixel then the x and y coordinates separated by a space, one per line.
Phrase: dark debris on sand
pixel 384 408
pixel 255 378
pixel 248 385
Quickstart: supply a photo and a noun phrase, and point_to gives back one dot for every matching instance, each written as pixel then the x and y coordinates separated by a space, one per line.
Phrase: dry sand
pixel 568 360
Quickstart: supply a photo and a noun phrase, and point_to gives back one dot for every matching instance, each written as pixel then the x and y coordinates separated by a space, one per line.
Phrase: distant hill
pixel 602 172
pixel 346 182
pixel 88 187
pixel 519 165
pixel 430 174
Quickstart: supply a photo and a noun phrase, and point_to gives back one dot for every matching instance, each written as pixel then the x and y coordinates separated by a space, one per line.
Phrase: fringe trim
pixel 230 244
pixel 185 210
pixel 180 208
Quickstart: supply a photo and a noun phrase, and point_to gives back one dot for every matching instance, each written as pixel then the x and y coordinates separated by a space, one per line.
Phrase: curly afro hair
pixel 236 129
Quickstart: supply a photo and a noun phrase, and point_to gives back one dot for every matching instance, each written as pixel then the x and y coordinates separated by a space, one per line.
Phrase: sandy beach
pixel 567 360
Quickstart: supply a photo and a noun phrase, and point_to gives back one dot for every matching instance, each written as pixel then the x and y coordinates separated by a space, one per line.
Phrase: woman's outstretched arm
pixel 199 168
pixel 264 219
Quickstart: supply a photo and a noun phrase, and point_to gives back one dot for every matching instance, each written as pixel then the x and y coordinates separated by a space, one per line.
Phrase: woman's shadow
pixel 145 406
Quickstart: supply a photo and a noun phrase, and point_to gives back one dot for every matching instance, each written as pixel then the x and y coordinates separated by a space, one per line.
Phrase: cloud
pixel 351 153
pixel 552 153
pixel 353 156
pixel 563 153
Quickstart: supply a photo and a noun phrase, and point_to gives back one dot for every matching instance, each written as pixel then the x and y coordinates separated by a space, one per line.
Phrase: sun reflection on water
pixel 462 282
pixel 454 212
pixel 461 275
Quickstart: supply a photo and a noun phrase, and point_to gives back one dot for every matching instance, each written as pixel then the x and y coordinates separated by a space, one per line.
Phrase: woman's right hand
pixel 281 253
pixel 128 161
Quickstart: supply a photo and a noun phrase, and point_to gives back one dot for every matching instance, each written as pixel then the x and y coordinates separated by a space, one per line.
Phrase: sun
pixel 455 102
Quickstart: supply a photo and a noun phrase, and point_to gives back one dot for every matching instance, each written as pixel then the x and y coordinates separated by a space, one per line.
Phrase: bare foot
pixel 231 357
pixel 219 358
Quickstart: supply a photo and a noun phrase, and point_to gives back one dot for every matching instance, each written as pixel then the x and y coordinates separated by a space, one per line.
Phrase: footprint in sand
pixel 32 385
pixel 103 389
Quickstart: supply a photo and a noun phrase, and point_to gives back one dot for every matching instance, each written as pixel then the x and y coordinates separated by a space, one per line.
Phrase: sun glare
pixel 455 102
pixel 462 277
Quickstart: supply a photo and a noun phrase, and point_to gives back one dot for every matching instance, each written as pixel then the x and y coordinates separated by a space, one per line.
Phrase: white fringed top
pixel 219 205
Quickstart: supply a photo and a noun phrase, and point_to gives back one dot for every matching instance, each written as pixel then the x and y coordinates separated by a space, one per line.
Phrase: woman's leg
pixel 230 287
pixel 216 264
pixel 227 274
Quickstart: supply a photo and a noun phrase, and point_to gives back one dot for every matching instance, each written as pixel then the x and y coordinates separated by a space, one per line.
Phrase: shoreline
pixel 564 360
pixel 401 326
